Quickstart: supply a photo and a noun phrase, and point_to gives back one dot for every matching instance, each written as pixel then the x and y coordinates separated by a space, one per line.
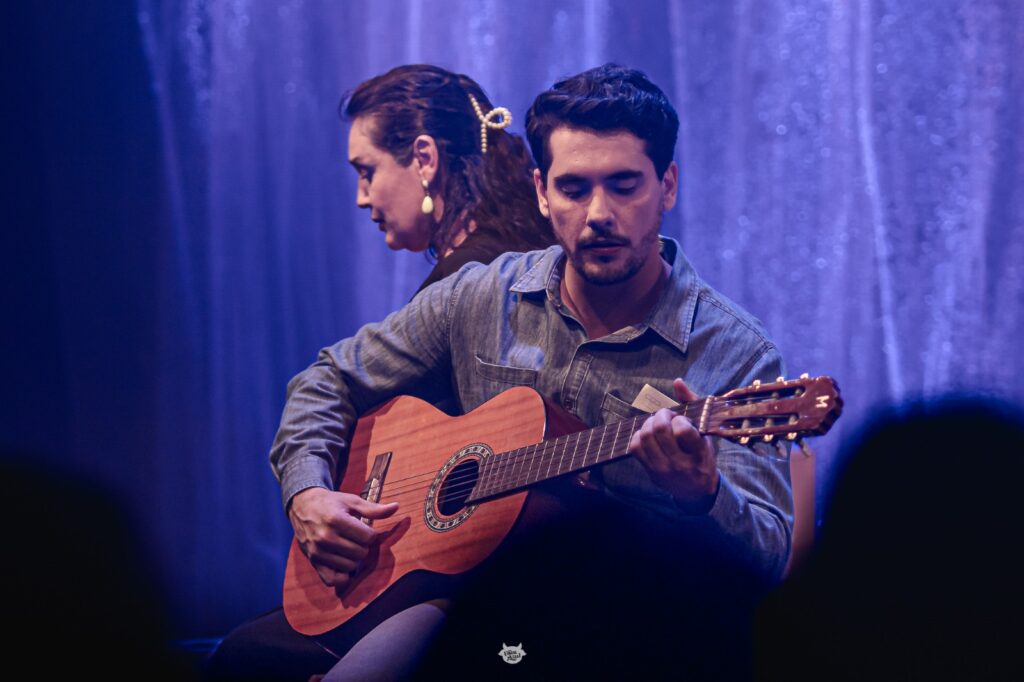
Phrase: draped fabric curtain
pixel 851 172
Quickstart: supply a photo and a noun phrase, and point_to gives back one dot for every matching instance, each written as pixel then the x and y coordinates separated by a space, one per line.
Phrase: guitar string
pixel 415 481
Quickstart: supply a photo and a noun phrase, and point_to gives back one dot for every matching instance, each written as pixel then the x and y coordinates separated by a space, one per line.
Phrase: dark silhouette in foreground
pixel 917 572
pixel 82 598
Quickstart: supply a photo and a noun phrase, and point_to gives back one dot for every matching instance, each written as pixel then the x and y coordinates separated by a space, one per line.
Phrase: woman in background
pixel 438 171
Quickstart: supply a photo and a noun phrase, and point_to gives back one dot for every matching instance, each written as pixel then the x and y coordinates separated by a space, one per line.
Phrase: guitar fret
pixel 528 459
pixel 544 458
pixel 626 436
pixel 524 466
pixel 521 466
pixel 546 455
pixel 550 447
pixel 633 428
pixel 483 476
pixel 561 458
pixel 495 473
pixel 493 480
pixel 516 465
pixel 506 464
pixel 575 449
pixel 547 472
pixel 568 448
pixel 600 445
pixel 537 462
pixel 615 440
pixel 589 452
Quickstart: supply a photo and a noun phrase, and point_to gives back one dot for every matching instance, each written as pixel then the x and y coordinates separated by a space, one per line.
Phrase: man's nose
pixel 599 212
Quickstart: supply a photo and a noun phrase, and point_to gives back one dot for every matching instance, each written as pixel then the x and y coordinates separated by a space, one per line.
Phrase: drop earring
pixel 428 204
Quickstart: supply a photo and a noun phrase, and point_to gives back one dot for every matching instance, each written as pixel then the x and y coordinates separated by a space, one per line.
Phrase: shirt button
pixel 568 403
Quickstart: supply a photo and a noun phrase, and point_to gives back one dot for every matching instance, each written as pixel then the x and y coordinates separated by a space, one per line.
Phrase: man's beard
pixel 606 275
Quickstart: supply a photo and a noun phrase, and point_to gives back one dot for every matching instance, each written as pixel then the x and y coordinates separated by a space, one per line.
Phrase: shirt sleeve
pixel 754 505
pixel 752 514
pixel 406 353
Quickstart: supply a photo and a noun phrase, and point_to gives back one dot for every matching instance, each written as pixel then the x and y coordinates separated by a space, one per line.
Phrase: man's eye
pixel 626 187
pixel 573 191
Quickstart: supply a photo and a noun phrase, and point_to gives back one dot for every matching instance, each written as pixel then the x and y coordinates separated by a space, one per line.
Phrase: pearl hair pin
pixel 490 120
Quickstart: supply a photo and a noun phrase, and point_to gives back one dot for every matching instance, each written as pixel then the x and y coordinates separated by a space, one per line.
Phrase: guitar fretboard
pixel 512 470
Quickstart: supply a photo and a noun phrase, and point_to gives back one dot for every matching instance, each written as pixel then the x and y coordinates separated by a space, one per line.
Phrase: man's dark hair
pixel 606 98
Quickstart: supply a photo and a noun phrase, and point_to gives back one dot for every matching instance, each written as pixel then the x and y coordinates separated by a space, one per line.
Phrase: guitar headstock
pixel 786 410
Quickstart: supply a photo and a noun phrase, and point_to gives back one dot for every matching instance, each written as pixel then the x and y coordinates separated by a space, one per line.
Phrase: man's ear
pixel 670 185
pixel 542 193
pixel 424 154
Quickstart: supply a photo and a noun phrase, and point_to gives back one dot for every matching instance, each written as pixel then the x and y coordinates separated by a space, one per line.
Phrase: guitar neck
pixel 514 470
pixel 778 409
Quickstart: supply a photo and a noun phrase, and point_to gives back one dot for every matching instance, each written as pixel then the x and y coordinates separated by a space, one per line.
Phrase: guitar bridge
pixel 375 483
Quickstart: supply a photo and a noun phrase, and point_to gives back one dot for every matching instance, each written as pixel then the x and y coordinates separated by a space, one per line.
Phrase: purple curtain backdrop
pixel 852 173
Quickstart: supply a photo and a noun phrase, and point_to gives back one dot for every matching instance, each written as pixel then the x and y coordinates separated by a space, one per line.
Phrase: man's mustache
pixel 597 242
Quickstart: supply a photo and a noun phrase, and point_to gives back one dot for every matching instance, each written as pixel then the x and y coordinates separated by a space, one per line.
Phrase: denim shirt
pixel 485 329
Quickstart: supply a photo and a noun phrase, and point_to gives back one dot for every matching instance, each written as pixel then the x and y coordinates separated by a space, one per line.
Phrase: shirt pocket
pixel 615 409
pixel 505 375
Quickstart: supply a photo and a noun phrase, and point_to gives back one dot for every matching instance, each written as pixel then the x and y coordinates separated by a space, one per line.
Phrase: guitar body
pixel 422 535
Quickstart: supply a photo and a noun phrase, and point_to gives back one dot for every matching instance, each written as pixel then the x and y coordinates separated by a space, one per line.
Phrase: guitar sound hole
pixel 457 486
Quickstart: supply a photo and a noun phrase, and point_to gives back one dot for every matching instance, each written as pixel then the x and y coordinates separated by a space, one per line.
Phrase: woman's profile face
pixel 392 192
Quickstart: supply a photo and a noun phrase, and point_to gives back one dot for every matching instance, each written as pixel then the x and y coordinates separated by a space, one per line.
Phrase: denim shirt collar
pixel 671 318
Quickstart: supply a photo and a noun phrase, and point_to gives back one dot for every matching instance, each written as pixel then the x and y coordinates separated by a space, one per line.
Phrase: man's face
pixel 605 202
pixel 392 192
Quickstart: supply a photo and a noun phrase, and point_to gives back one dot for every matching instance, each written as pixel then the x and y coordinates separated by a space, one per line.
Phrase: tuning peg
pixel 780 379
pixel 781 449
pixel 803 448
pixel 791 436
pixel 768 437
pixel 744 440
pixel 757 382
pixel 805 375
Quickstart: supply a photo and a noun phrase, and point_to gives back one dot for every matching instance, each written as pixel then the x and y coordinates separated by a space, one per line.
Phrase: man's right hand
pixel 329 528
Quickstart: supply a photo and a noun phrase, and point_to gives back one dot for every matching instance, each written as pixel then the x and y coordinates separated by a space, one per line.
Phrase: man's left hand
pixel 677 457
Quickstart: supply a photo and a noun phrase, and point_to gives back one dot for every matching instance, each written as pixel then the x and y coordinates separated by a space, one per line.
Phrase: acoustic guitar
pixel 462 482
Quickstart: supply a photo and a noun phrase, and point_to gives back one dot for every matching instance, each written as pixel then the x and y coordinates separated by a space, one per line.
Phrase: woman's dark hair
pixel 605 98
pixel 495 190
